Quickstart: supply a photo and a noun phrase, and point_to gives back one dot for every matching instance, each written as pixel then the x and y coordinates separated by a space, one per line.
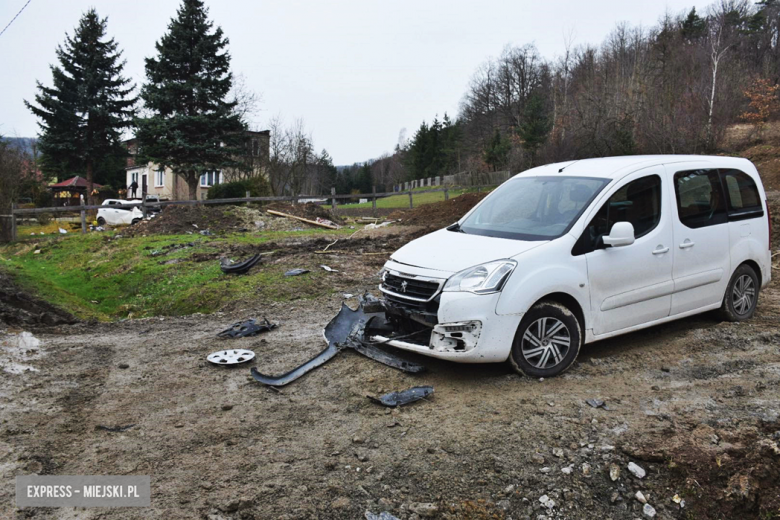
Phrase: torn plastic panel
pixel 403 397
pixel 346 330
pixel 242 329
pixel 455 337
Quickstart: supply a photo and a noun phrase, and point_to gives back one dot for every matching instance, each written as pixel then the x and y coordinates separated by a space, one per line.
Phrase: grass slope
pixel 96 277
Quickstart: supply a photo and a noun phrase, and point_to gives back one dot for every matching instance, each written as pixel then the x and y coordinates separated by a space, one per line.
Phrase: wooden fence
pixel 10 220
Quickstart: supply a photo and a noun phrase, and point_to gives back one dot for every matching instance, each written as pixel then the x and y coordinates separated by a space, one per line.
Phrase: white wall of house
pixel 167 185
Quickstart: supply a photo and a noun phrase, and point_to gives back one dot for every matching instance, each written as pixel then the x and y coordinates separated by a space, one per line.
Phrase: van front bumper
pixel 468 330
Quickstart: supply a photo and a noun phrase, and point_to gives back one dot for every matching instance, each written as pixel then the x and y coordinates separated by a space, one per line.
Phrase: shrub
pixel 256 186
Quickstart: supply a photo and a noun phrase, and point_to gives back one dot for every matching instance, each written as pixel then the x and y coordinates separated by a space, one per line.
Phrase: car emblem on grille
pixel 403 286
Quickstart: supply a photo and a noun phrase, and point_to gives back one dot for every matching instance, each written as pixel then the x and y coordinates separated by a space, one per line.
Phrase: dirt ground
pixel 694 403
pixel 228 219
pixel 439 214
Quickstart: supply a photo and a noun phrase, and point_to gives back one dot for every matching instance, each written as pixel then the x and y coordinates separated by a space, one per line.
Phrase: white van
pixel 571 253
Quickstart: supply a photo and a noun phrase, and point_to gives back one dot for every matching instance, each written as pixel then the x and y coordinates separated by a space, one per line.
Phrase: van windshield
pixel 533 208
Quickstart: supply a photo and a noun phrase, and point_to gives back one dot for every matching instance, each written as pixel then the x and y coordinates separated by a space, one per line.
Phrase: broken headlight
pixel 482 279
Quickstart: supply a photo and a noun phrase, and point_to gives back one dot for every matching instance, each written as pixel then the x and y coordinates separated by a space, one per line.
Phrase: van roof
pixel 616 167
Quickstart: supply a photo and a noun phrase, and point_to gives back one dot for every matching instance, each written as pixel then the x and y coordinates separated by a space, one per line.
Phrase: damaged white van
pixel 571 253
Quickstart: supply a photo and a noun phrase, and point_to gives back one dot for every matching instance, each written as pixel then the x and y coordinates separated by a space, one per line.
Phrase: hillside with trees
pixel 673 88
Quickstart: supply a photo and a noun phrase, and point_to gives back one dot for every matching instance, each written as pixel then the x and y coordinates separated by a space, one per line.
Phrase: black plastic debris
pixel 239 267
pixel 403 397
pixel 243 329
pixel 296 272
pixel 344 331
pixel 114 429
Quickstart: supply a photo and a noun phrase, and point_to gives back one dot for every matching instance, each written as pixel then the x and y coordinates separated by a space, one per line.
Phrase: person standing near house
pixel 132 189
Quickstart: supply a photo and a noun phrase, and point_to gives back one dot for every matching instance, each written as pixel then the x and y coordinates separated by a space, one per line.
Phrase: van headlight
pixel 482 279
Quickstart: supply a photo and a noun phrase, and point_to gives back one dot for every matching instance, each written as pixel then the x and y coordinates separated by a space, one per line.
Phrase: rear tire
pixel 101 221
pixel 741 298
pixel 135 221
pixel 547 341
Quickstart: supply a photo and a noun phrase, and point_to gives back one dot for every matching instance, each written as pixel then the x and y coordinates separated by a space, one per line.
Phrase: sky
pixel 357 72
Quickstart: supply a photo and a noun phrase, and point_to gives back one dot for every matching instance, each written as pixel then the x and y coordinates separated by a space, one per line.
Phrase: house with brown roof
pixel 68 192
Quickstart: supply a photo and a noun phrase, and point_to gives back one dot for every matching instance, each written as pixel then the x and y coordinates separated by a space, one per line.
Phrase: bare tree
pixel 717 51
pixel 12 174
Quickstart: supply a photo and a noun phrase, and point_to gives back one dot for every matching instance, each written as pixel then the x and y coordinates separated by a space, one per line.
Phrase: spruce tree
pixel 535 127
pixel 82 115
pixel 192 127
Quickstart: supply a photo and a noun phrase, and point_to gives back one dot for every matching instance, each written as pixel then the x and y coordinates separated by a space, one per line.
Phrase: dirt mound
pixel 439 214
pixel 308 210
pixel 18 308
pixel 177 220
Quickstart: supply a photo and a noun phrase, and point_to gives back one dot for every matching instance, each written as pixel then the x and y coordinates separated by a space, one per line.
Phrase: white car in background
pixel 114 215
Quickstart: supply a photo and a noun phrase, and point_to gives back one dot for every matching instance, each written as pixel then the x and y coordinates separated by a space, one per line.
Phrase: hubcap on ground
pixel 744 294
pixel 545 343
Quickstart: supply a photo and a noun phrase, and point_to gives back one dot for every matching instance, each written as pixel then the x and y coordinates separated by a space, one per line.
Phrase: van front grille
pixel 409 288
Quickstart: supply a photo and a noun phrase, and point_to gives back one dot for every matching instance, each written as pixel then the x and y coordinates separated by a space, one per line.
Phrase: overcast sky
pixel 356 71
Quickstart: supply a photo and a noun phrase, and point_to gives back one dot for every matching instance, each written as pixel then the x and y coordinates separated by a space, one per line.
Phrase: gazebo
pixel 66 193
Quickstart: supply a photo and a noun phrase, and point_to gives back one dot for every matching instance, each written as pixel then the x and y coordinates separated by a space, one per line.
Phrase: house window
pixel 209 179
pixel 133 177
pixel 159 178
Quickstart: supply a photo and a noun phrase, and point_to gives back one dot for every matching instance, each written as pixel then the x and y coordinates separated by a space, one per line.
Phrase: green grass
pixel 402 201
pixel 97 278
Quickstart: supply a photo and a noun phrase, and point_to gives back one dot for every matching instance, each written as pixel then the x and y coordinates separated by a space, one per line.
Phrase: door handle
pixel 686 244
pixel 660 250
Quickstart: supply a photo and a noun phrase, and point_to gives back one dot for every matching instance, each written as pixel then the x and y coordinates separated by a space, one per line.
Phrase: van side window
pixel 638 202
pixel 700 198
pixel 743 198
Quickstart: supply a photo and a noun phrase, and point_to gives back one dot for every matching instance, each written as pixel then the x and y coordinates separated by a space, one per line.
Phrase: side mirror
pixel 622 234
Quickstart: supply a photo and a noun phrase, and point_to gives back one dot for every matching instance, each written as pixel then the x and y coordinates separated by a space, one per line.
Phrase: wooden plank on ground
pixel 312 222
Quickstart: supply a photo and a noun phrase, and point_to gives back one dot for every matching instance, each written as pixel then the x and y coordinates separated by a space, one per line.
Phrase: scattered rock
pixel 585 469
pixel 424 509
pixel 641 497
pixel 637 471
pixel 547 502
pixel 537 458
pixel 558 452
pixel 340 503
pixel 227 407
pixel 358 440
pixel 123 366
pixel 567 470
pixel 614 472
pixel 648 511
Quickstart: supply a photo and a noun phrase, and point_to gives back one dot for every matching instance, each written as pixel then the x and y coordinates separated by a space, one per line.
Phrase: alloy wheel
pixel 743 296
pixel 545 343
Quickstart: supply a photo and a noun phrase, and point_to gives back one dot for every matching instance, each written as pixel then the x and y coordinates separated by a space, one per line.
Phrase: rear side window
pixel 743 198
pixel 700 198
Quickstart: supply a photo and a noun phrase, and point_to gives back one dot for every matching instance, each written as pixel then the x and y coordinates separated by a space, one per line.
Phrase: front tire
pixel 101 221
pixel 741 298
pixel 547 341
pixel 135 221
